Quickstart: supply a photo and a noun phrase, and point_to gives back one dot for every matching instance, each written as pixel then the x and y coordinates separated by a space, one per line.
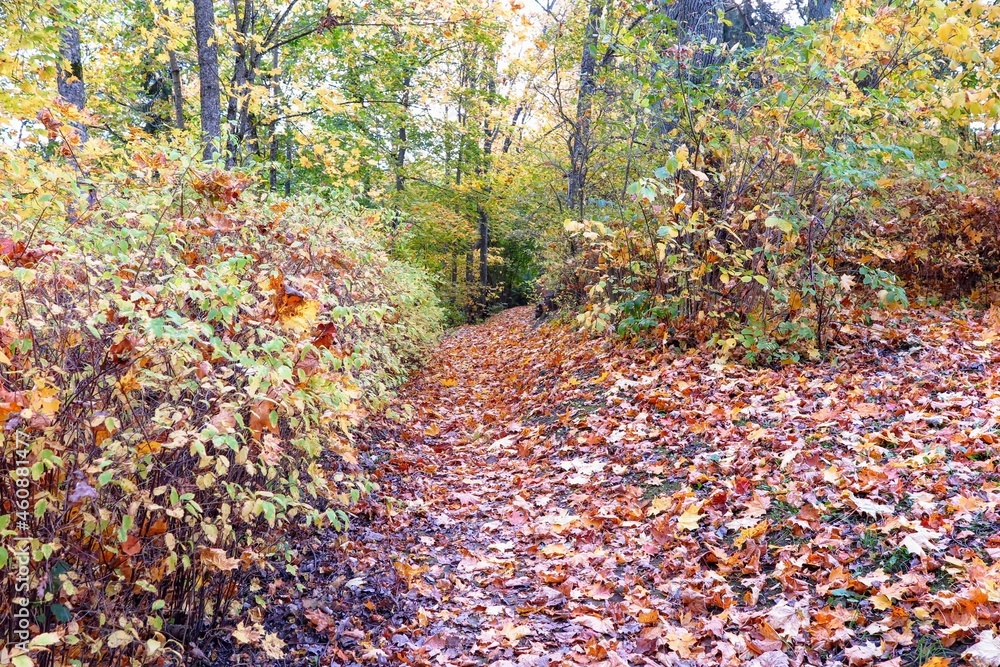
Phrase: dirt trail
pixel 486 461
pixel 561 501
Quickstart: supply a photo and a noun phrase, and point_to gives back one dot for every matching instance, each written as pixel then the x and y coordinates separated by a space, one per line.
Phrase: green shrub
pixel 178 358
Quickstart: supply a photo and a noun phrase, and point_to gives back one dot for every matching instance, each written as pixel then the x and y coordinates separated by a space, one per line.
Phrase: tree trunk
pixel 401 134
pixel 288 166
pixel 175 90
pixel 579 145
pixel 272 177
pixel 484 245
pixel 250 48
pixel 513 126
pixel 272 174
pixel 70 85
pixel 70 79
pixel 697 22
pixel 818 10
pixel 176 93
pixel 239 87
pixel 208 76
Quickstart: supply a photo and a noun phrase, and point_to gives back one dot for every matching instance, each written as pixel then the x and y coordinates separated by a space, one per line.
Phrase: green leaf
pixel 780 223
pixel 44 639
pixel 61 613
pixel 268 510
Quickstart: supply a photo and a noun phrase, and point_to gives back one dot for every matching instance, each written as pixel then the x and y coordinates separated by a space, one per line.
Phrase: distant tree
pixel 750 22
pixel 816 10
pixel 70 77
pixel 208 75
pixel 579 140
pixel 698 22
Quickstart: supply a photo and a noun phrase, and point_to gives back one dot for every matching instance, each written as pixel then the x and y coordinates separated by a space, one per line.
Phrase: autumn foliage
pixel 592 503
pixel 186 361
pixel 754 421
pixel 799 185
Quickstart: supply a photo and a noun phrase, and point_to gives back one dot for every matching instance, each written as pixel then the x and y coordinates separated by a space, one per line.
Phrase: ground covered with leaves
pixel 563 501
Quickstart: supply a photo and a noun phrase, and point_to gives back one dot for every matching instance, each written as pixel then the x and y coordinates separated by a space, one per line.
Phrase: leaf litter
pixel 559 500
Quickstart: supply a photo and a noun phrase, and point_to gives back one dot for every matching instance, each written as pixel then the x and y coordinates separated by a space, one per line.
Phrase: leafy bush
pixel 754 225
pixel 941 241
pixel 179 355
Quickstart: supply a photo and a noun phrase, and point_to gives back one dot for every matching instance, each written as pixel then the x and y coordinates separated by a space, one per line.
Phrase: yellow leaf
pixel 515 633
pixel 659 505
pixel 273 646
pixel 304 317
pixel 689 519
pixel 881 602
pixel 217 559
pixel 44 639
pixel 682 155
pixel 345 449
pixel 148 447
pixel 600 378
pixel 119 638
pixel 750 533
pixel 554 550
pixel 651 617
pixel 43 400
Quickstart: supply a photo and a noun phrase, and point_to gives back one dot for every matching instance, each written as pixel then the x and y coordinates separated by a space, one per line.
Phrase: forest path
pixel 507 563
pixel 561 500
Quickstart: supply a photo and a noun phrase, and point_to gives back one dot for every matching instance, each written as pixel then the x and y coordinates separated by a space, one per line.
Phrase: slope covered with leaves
pixel 175 359
pixel 563 501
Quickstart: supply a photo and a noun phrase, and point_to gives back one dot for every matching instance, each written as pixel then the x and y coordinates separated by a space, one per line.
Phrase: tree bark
pixel 176 93
pixel 484 246
pixel 208 76
pixel 288 166
pixel 273 157
pixel 244 72
pixel 70 84
pixel 818 10
pixel 579 145
pixel 70 79
pixel 697 21
pixel 401 135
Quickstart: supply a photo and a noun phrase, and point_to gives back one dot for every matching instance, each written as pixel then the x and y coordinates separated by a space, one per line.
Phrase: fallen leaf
pixel 985 652
pixel 689 518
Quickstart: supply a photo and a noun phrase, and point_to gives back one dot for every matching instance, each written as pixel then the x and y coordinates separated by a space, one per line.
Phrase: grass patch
pixel 927 647
pixel 781 510
pixel 943 581
pixel 897 561
pixel 664 488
